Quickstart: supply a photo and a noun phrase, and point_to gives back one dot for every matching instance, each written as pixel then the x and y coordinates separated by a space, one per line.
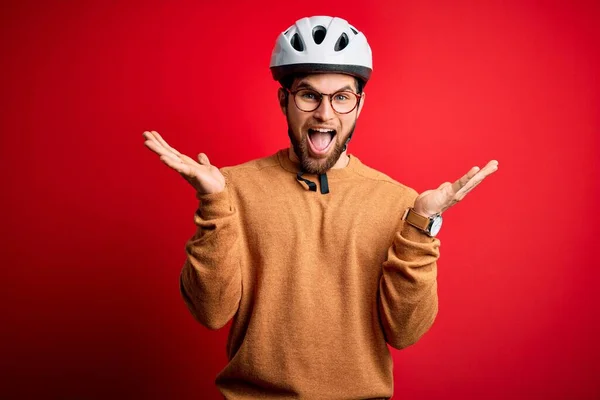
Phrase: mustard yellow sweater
pixel 317 284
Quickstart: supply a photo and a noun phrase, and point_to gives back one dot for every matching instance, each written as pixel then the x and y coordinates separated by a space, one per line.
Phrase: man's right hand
pixel 203 176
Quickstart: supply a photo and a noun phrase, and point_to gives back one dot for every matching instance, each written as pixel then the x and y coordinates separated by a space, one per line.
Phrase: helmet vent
pixel 341 43
pixel 354 30
pixel 296 42
pixel 319 33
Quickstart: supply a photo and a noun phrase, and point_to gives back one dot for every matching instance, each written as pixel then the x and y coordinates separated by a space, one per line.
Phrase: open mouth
pixel 320 140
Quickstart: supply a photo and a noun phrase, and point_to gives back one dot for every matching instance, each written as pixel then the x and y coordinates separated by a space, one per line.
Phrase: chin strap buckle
pixel 313 186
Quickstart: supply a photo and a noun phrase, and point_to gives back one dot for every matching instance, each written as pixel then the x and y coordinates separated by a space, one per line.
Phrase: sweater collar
pixel 333 173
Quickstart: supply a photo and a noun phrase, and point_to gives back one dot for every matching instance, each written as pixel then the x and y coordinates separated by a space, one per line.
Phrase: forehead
pixel 326 83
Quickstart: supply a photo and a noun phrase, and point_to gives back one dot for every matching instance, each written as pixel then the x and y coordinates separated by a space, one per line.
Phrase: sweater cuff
pixel 214 205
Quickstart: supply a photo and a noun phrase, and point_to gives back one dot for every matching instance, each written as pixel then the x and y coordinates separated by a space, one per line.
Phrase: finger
pixel 464 191
pixel 459 184
pixel 189 160
pixel 151 138
pixel 156 147
pixel 159 149
pixel 203 159
pixel 444 185
pixel 164 143
pixel 178 165
pixel 472 183
pixel 489 169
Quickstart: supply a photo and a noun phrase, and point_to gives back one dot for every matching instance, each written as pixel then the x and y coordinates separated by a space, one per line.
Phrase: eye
pixel 308 95
pixel 341 96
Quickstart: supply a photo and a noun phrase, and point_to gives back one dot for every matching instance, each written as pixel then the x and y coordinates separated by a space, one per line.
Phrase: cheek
pixel 345 126
pixel 295 121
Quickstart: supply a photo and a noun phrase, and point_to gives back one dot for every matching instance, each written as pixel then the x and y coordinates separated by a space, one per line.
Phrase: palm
pixel 203 176
pixel 431 201
pixel 438 200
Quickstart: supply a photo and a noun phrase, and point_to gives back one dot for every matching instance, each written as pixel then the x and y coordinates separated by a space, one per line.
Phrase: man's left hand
pixel 432 202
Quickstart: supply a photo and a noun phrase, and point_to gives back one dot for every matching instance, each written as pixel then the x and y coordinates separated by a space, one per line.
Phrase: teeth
pixel 322 130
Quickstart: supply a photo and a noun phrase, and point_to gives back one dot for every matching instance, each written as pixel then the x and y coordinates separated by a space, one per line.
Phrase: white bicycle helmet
pixel 321 44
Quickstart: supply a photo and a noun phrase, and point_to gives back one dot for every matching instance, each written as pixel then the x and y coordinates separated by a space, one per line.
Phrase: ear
pixel 282 97
pixel 361 104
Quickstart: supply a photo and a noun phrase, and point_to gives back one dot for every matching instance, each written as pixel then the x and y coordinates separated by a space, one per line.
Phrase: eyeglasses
pixel 309 100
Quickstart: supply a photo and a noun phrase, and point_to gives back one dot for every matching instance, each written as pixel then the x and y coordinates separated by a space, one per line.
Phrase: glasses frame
pixel 329 95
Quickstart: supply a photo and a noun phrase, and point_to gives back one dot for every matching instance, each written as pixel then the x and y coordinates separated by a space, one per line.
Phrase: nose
pixel 324 112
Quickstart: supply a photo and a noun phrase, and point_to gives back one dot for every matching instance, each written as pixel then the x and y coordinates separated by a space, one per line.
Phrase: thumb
pixel 203 159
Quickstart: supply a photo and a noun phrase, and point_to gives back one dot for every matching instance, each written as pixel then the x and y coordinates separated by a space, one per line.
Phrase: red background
pixel 94 225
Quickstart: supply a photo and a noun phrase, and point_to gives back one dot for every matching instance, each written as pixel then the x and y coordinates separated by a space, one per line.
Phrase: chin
pixel 317 165
pixel 314 164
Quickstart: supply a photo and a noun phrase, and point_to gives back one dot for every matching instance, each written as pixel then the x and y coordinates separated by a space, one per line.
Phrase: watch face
pixel 436 225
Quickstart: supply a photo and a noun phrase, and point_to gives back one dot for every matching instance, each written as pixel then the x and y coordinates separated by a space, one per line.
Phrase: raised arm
pixel 210 280
pixel 408 300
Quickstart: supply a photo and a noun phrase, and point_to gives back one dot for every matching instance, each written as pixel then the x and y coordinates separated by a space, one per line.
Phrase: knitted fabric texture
pixel 315 286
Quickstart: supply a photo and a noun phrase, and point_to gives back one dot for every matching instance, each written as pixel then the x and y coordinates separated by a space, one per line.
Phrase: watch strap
pixel 416 220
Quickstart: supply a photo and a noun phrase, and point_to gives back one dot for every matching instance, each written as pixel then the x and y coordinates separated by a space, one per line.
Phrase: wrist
pixel 427 224
pixel 423 213
pixel 214 205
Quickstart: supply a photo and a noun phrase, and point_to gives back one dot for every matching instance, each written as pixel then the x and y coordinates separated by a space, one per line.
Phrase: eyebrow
pixel 306 85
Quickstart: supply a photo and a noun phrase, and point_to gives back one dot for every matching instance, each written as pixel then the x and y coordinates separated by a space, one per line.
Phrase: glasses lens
pixel 307 100
pixel 343 102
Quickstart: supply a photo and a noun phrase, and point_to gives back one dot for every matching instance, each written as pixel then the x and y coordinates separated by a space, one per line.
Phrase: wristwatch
pixel 429 225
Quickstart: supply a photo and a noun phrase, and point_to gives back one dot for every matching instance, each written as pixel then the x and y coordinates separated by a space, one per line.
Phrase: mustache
pixel 308 165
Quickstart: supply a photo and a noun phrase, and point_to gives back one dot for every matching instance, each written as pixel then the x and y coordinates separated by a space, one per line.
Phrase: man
pixel 317 282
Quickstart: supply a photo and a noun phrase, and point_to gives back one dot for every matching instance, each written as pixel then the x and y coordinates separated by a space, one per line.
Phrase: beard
pixel 313 165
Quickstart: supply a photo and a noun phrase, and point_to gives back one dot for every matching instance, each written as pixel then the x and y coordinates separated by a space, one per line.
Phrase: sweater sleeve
pixel 211 281
pixel 408 300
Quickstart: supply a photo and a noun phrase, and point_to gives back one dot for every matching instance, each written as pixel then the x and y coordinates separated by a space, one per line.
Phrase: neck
pixel 342 162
